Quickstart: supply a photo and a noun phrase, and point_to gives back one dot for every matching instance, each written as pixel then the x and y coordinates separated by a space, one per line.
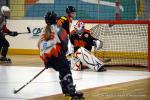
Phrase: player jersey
pixel 65 22
pixel 84 40
pixel 57 46
pixel 3 28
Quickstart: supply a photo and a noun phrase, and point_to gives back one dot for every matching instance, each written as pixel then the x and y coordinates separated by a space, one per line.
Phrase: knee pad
pixel 67 79
pixel 66 82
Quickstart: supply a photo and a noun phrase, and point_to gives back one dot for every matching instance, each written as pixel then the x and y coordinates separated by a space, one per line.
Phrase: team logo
pixel 44 45
pixel 37 31
pixel 86 35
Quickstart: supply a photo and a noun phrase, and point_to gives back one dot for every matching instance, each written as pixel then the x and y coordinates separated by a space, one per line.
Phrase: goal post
pixel 126 42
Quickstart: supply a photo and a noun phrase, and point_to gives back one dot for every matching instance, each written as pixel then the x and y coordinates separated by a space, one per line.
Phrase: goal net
pixel 125 42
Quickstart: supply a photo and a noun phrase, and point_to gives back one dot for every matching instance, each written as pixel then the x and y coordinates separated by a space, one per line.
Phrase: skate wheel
pixel 6 62
pixel 68 98
pixel 77 98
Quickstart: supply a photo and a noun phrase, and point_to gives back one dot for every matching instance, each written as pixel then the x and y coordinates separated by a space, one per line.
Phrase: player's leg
pixel 1 43
pixel 5 45
pixel 68 89
pixel 0 51
pixel 66 80
pixel 4 50
pixel 61 65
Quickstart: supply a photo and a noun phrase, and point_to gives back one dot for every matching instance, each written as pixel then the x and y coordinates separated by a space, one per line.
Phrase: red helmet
pixel 79 26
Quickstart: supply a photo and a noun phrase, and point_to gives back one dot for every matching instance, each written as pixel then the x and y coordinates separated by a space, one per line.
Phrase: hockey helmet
pixel 70 9
pixel 79 26
pixel 4 9
pixel 50 17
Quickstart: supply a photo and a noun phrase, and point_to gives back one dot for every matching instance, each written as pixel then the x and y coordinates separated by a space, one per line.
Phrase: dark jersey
pixel 65 22
pixel 84 40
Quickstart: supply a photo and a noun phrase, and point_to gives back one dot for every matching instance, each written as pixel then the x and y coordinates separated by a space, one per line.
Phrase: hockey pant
pixel 4 44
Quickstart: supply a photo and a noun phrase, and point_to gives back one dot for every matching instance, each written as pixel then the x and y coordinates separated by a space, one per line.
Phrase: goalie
pixel 83 43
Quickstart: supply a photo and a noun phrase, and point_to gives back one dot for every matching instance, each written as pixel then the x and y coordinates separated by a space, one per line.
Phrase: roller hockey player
pixel 4 44
pixel 65 22
pixel 53 48
pixel 83 42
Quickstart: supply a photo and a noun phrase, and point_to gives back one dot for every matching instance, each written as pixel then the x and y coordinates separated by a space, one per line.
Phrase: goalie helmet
pixel 70 9
pixel 4 9
pixel 79 26
pixel 50 17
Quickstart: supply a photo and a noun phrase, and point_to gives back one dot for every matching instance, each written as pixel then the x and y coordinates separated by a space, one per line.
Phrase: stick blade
pixel 29 30
pixel 15 91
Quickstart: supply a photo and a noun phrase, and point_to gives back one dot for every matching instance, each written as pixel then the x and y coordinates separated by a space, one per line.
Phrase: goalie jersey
pixel 82 40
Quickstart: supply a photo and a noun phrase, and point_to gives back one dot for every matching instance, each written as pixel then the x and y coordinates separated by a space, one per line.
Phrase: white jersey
pixel 46 47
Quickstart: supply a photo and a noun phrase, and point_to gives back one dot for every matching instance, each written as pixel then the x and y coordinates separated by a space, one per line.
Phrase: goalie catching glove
pixel 98 44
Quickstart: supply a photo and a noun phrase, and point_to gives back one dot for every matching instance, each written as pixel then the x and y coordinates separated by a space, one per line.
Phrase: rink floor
pixel 13 77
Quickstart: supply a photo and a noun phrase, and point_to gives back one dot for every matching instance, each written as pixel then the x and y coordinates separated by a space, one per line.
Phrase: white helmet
pixel 4 9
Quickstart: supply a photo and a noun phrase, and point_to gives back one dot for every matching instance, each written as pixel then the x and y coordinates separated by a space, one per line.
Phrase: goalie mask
pixel 79 27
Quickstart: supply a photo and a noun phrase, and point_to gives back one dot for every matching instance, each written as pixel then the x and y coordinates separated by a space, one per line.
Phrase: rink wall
pixel 23 43
pixel 113 46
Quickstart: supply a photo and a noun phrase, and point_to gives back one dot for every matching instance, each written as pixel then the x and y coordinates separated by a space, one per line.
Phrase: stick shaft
pixel 30 81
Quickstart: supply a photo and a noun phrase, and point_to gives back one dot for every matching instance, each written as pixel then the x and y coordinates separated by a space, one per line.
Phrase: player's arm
pixel 72 36
pixel 62 34
pixel 96 43
pixel 6 30
pixel 61 21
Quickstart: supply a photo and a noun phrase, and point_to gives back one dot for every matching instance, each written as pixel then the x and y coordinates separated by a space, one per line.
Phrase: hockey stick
pixel 29 31
pixel 16 91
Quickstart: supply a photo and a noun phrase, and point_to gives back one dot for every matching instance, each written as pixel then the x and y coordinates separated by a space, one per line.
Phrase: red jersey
pixel 3 28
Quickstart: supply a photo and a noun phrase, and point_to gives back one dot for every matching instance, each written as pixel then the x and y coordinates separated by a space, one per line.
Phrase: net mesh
pixel 125 44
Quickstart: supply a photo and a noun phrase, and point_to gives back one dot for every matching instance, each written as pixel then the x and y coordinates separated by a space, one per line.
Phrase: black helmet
pixel 50 17
pixel 70 9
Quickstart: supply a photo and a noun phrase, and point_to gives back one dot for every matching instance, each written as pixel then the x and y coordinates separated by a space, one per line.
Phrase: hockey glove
pixel 98 44
pixel 13 33
pixel 46 65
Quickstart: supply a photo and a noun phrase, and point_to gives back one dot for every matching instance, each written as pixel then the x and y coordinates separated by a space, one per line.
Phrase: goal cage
pixel 127 43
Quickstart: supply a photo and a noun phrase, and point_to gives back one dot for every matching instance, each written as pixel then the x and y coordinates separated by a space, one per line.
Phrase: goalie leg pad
pixel 76 64
pixel 89 60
